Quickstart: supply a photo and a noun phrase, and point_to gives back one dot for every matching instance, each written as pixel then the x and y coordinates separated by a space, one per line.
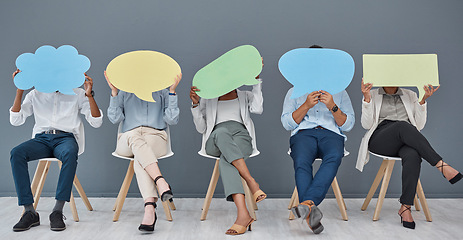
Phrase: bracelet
pixel 194 104
pixel 172 94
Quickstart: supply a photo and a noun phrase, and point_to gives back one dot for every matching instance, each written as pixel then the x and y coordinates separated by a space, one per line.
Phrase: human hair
pixel 315 46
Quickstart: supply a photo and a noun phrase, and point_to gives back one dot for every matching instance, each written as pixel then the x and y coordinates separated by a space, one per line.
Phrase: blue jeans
pixel 62 146
pixel 306 146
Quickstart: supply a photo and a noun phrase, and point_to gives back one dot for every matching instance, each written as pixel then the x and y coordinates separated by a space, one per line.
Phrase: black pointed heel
pixel 167 195
pixel 455 179
pixel 149 228
pixel 406 224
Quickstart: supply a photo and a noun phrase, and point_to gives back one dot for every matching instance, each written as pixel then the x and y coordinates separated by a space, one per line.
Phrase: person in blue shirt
pixel 142 136
pixel 317 121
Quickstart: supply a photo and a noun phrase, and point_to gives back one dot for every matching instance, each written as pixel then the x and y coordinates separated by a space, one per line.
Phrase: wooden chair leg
pixel 375 185
pixel 339 199
pixel 123 192
pixel 172 205
pixel 165 205
pixel 424 203
pixel 383 190
pixel 72 204
pixel 210 190
pixel 417 203
pixel 292 199
pixel 37 175
pixel 43 176
pixel 249 200
pixel 82 194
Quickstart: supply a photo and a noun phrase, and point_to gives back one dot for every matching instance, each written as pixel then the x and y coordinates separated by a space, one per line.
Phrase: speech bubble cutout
pixel 313 69
pixel 50 69
pixel 237 67
pixel 401 70
pixel 142 72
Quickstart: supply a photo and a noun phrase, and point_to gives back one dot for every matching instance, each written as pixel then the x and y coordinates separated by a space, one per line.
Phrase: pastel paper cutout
pixel 401 70
pixel 50 69
pixel 143 72
pixel 314 69
pixel 237 67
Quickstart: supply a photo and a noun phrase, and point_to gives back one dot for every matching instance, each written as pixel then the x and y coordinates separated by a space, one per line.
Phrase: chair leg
pixel 383 190
pixel 172 205
pixel 417 203
pixel 123 192
pixel 210 190
pixel 165 205
pixel 37 175
pixel 249 200
pixel 72 204
pixel 38 191
pixel 339 199
pixel 82 194
pixel 292 203
pixel 375 185
pixel 423 201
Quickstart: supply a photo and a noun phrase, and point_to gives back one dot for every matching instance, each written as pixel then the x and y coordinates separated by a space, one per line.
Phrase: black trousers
pixel 401 139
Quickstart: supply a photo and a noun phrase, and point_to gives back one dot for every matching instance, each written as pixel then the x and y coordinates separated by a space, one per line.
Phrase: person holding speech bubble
pixel 226 124
pixel 58 128
pixel 317 121
pixel 393 117
pixel 144 138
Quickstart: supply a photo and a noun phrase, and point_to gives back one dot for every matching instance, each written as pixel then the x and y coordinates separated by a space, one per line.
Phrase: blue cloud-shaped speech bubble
pixel 51 69
pixel 313 69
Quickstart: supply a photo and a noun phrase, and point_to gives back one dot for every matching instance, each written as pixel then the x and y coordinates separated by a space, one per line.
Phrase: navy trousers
pixel 306 146
pixel 62 146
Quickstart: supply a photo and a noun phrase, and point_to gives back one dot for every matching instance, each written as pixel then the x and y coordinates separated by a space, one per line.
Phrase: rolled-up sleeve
pixel 199 116
pixel 255 98
pixel 346 107
pixel 19 118
pixel 289 106
pixel 171 110
pixel 116 109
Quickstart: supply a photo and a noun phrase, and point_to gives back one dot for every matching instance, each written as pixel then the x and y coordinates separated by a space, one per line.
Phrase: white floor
pixel 272 221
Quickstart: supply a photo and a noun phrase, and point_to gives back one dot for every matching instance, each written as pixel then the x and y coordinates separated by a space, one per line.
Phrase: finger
pixel 436 88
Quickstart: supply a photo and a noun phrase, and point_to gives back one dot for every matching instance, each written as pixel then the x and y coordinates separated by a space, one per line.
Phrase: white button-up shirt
pixel 57 111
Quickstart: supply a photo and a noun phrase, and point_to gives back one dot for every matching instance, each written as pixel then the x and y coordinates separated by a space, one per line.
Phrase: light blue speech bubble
pixel 313 69
pixel 50 69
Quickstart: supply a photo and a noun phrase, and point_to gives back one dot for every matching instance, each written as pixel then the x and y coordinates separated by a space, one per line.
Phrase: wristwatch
pixel 335 108
pixel 91 93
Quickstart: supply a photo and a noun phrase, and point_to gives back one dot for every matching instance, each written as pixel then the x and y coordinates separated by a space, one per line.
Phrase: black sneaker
pixel 56 221
pixel 29 219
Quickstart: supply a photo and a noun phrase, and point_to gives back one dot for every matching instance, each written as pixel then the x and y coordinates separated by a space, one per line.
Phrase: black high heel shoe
pixel 167 195
pixel 406 224
pixel 149 228
pixel 455 179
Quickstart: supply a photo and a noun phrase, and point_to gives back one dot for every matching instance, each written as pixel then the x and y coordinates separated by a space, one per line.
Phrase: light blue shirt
pixel 318 115
pixel 135 112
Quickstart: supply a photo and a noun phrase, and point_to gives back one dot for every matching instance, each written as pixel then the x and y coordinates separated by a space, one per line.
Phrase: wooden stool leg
pixel 383 190
pixel 293 202
pixel 417 203
pixel 37 175
pixel 424 204
pixel 172 205
pixel 249 200
pixel 375 185
pixel 123 192
pixel 339 199
pixel 43 176
pixel 210 190
pixel 72 204
pixel 165 205
pixel 82 194
pixel 292 199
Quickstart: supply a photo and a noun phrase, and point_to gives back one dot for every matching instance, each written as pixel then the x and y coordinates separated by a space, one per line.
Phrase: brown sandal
pixel 238 229
pixel 257 194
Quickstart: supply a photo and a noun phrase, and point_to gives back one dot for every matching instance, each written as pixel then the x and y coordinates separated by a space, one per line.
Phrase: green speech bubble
pixel 235 68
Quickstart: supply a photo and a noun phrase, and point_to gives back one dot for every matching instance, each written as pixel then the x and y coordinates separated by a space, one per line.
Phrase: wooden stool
pixel 251 204
pixel 384 173
pixel 39 179
pixel 126 185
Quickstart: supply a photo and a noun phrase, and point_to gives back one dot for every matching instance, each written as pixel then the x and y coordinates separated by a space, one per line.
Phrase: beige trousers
pixel 145 145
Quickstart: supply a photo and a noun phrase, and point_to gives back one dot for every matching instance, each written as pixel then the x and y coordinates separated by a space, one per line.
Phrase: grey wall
pixel 196 32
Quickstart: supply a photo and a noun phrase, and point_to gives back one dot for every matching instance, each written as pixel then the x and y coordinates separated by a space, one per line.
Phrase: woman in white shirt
pixel 226 125
pixel 393 117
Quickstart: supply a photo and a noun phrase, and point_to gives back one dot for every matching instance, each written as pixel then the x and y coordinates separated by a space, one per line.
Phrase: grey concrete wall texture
pixel 196 32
